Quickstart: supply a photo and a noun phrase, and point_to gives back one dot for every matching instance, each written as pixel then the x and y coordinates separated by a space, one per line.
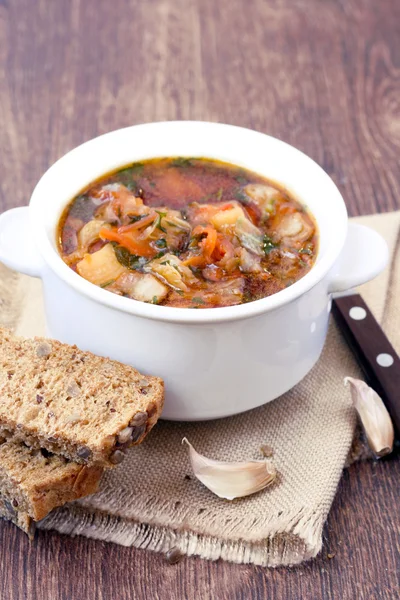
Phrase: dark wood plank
pixel 324 76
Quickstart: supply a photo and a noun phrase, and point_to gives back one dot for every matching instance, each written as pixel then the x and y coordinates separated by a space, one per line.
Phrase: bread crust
pixel 74 403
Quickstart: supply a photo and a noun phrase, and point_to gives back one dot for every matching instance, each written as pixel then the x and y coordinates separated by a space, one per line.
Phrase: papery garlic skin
pixel 374 417
pixel 231 480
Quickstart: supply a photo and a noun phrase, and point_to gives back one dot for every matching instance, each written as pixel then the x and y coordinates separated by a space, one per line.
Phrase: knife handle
pixel 372 349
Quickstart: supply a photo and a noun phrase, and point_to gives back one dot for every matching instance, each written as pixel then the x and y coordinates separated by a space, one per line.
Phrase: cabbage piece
pixel 248 262
pixel 250 236
pixel 171 270
pixel 264 196
pixel 227 292
pixel 90 233
pixel 293 228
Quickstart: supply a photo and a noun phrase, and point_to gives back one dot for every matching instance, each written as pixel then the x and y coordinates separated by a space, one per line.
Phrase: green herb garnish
pixel 220 193
pixel 240 179
pixel 131 261
pixel 181 161
pixel 268 245
pixel 161 243
pixel 104 285
pixel 135 218
pixel 197 300
pixel 154 300
pixel 305 251
pixel 161 215
pixel 135 169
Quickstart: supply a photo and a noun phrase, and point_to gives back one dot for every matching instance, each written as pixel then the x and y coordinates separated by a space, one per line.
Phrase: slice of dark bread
pixel 33 482
pixel 74 403
pixel 20 519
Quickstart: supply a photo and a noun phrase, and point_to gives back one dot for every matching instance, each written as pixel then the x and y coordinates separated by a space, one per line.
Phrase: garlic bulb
pixel 374 417
pixel 231 480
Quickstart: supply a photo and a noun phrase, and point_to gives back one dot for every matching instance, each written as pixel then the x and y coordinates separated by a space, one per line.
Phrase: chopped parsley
pixel 197 300
pixel 267 245
pixel 161 215
pixel 131 261
pixel 135 218
pixel 219 194
pixel 104 285
pixel 161 243
pixel 181 161
pixel 129 172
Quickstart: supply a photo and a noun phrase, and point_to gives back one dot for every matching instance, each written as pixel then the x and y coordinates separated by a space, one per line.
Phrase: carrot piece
pixel 206 245
pixel 138 224
pixel 128 242
pixel 208 242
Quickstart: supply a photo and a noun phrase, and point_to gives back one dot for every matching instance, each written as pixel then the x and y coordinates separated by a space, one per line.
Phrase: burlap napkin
pixel 153 501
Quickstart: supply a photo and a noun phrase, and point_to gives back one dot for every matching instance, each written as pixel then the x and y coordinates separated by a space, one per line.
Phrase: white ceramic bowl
pixel 215 362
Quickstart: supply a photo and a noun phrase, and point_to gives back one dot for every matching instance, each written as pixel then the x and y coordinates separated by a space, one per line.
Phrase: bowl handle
pixel 17 246
pixel 364 256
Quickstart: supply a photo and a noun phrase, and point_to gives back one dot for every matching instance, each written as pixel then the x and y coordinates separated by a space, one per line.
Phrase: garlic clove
pixel 374 417
pixel 231 480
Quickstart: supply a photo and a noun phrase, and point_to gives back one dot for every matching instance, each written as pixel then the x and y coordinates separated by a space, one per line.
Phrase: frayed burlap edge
pixel 300 540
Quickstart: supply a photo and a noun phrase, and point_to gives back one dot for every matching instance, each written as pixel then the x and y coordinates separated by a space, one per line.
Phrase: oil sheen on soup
pixel 190 233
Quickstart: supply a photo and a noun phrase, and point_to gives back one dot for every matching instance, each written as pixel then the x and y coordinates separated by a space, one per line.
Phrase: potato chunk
pixel 101 267
pixel 227 217
pixel 148 289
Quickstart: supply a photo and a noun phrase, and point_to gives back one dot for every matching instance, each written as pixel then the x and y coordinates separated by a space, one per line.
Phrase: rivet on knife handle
pixel 372 349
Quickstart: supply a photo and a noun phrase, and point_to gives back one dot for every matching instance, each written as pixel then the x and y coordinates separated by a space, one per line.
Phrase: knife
pixel 376 356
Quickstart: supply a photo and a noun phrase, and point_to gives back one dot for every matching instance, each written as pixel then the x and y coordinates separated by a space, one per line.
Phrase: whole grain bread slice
pixel 33 482
pixel 20 519
pixel 74 403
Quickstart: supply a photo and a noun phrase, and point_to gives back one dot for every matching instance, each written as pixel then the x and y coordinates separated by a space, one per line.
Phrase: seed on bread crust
pixel 117 457
pixel 124 435
pixel 138 432
pixel 83 452
pixel 139 419
pixel 43 349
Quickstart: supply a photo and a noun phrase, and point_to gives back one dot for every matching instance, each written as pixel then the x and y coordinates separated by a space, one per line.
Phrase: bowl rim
pixel 174 314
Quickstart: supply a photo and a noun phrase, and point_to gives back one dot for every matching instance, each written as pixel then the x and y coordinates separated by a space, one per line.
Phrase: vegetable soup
pixel 188 232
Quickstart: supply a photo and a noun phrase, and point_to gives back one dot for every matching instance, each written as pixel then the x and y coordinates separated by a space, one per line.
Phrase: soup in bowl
pixel 187 232
pixel 254 236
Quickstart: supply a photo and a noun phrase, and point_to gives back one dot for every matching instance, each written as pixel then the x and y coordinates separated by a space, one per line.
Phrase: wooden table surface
pixel 324 75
